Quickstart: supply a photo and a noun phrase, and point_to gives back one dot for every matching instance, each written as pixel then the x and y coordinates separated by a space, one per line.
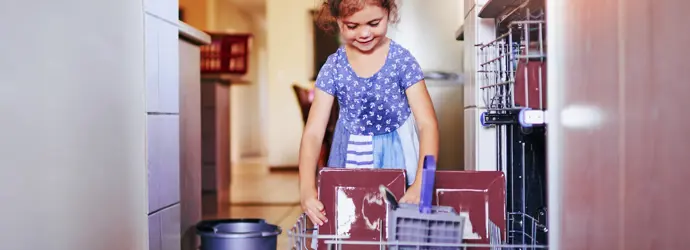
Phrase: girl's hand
pixel 313 207
pixel 412 195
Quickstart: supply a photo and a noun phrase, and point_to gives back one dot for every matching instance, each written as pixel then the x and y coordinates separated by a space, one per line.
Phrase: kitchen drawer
pixel 170 228
pixel 151 59
pixel 162 66
pixel 163 160
pixel 155 232
pixel 164 229
pixel 168 68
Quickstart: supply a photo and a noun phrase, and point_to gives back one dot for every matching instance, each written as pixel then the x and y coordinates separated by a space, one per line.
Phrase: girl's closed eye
pixel 372 24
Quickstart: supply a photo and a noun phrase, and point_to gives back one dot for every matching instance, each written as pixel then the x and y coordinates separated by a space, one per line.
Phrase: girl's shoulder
pixel 333 63
pixel 400 52
pixel 336 58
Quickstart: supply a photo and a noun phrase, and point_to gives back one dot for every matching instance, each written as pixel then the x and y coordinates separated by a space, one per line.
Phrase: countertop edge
pixel 193 35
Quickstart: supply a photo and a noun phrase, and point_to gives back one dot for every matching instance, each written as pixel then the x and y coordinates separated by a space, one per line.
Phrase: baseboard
pixel 288 168
pixel 264 204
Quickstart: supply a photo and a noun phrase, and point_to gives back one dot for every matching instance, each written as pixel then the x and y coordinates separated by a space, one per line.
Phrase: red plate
pixel 480 193
pixel 361 210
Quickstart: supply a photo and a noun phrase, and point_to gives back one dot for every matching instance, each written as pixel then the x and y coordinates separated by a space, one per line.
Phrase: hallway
pixel 258 193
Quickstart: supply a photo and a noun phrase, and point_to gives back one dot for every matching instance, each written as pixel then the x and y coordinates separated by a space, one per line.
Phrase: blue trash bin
pixel 239 234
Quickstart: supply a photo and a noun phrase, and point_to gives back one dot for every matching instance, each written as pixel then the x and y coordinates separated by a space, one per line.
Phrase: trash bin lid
pixel 237 228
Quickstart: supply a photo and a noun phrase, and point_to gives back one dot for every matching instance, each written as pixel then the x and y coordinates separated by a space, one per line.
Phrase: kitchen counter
pixel 192 34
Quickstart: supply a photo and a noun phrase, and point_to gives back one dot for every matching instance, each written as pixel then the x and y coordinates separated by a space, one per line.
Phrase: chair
pixel 302 95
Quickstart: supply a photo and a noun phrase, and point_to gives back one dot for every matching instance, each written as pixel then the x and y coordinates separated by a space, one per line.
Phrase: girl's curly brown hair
pixel 331 10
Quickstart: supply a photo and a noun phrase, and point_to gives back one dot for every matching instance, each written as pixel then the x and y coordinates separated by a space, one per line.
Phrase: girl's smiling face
pixel 366 28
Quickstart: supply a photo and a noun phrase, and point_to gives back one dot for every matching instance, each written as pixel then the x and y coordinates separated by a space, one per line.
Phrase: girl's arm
pixel 312 139
pixel 427 124
pixel 310 148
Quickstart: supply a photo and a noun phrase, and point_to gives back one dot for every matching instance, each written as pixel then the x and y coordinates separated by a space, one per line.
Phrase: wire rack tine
pixel 300 232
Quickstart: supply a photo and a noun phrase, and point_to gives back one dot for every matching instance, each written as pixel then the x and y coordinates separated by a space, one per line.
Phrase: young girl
pixel 386 118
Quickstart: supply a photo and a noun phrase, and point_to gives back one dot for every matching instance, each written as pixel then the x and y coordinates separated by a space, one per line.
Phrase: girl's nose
pixel 365 33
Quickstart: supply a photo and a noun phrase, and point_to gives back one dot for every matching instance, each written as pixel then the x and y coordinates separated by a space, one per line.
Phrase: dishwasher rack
pixel 512 79
pixel 304 236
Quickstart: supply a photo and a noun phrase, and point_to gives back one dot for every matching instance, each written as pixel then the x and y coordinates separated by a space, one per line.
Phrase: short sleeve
pixel 325 80
pixel 411 71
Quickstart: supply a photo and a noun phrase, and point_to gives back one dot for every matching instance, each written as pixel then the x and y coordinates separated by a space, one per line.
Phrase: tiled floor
pixel 258 193
pixel 252 183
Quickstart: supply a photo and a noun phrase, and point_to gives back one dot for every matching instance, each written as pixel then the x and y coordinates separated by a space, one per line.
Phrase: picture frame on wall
pixel 325 43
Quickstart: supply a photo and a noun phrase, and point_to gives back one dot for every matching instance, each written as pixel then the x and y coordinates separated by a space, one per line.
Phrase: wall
pixel 245 100
pixel 426 29
pixel 72 147
pixel 290 55
pixel 267 99
pixel 196 12
pixel 259 65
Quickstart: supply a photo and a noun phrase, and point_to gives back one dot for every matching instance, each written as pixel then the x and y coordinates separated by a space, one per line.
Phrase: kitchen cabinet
pixel 161 59
pixel 190 133
pixel 164 229
pixel 215 143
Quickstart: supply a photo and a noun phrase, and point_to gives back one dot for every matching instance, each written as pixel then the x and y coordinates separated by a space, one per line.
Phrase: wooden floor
pixel 258 193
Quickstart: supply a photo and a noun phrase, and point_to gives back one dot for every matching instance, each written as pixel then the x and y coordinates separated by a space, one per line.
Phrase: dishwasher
pixel 502 209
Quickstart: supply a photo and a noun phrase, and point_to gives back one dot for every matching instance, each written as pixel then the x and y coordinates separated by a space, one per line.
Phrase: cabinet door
pixel 162 69
pixel 169 68
pixel 163 160
pixel 215 123
pixel 151 24
pixel 164 229
pixel 208 136
pixel 618 142
pixel 190 144
pixel 155 232
pixel 170 228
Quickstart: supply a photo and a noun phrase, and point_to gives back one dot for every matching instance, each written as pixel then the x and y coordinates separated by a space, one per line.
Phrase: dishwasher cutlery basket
pixel 408 229
pixel 409 225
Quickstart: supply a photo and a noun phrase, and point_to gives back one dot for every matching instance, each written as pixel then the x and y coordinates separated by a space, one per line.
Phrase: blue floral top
pixel 375 128
pixel 373 105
